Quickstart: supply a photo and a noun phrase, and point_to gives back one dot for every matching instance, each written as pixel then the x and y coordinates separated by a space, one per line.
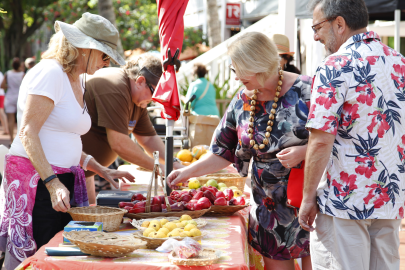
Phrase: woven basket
pixel 154 215
pixel 153 243
pixel 206 257
pixel 229 179
pixel 110 216
pixel 219 210
pixel 104 244
pixel 138 223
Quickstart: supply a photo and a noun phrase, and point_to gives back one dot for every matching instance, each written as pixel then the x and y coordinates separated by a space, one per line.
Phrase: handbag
pixel 295 186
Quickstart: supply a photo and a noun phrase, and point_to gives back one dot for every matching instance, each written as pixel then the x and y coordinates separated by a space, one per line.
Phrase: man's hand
pixel 110 175
pixel 59 195
pixel 307 214
pixel 177 165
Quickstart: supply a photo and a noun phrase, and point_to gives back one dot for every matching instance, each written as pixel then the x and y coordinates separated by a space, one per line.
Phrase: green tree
pixel 23 17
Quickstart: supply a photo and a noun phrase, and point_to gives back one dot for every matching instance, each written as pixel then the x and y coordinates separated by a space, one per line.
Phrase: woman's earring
pixel 285 66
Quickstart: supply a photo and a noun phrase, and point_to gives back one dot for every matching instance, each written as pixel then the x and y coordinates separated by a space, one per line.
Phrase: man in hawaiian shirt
pixel 356 147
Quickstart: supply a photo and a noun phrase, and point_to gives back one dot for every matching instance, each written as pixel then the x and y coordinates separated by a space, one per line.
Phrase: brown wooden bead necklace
pixel 271 115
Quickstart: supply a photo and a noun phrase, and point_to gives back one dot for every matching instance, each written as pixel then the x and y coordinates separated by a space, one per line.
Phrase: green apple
pixel 220 185
pixel 212 183
pixel 222 188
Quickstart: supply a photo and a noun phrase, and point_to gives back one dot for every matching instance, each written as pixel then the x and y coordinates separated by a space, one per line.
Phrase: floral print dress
pixel 274 230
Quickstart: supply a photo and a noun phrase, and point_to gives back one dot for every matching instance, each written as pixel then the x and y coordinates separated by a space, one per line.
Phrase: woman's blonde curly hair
pixel 60 49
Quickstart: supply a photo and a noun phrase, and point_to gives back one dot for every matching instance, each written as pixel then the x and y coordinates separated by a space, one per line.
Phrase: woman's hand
pixel 292 156
pixel 110 175
pixel 59 195
pixel 177 176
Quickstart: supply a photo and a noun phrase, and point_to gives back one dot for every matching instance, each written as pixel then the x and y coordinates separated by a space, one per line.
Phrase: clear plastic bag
pixel 187 248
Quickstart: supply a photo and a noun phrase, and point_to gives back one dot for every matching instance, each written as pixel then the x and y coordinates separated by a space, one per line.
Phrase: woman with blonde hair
pixel 266 122
pixel 43 177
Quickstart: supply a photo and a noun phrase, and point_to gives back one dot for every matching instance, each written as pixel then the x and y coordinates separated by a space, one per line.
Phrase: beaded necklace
pixel 271 115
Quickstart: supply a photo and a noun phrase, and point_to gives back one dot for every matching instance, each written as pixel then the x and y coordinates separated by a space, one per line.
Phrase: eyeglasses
pixel 150 87
pixel 317 29
pixel 105 57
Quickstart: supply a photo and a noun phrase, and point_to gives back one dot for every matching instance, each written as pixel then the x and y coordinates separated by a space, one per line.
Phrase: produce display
pixel 163 228
pixel 202 197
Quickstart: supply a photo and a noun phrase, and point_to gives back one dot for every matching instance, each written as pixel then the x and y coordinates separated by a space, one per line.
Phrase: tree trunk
pixel 106 9
pixel 214 25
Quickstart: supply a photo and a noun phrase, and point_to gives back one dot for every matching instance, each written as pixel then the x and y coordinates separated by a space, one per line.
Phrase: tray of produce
pixel 159 231
pixel 143 224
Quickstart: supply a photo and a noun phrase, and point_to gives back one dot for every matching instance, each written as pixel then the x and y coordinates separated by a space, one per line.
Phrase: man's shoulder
pixel 108 81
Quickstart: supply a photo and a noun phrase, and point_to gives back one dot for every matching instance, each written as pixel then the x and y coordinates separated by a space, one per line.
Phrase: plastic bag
pixel 187 248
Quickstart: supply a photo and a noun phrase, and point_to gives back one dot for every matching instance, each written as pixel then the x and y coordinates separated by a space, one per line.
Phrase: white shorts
pixel 344 244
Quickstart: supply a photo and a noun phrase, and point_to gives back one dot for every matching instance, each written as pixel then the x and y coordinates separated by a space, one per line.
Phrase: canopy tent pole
pixel 169 151
pixel 397 37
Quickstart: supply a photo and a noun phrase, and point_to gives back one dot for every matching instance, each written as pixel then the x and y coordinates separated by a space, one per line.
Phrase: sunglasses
pixel 150 87
pixel 106 57
pixel 315 25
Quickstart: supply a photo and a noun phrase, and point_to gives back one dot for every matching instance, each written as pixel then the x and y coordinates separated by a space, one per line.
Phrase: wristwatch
pixel 176 160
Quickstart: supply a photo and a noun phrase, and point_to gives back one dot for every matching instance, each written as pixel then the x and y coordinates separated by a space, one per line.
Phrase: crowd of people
pixel 74 115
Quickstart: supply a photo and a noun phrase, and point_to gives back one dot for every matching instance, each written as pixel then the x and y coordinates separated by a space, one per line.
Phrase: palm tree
pixel 106 9
pixel 214 25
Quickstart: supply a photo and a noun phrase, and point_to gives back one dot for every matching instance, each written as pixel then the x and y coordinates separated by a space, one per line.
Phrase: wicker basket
pixel 206 257
pixel 153 243
pixel 226 210
pixel 192 214
pixel 229 179
pixel 104 244
pixel 110 216
pixel 138 223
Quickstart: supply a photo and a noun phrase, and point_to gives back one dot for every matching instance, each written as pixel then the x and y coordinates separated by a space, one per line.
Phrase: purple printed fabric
pixel 17 199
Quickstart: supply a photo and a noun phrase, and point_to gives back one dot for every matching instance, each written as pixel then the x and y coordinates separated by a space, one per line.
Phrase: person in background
pixel 12 81
pixel 265 124
pixel 283 48
pixel 29 63
pixel 204 104
pixel 43 175
pixel 353 199
pixel 3 116
pixel 116 100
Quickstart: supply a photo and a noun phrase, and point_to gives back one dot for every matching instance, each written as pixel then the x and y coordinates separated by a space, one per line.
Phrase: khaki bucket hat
pixel 282 43
pixel 93 32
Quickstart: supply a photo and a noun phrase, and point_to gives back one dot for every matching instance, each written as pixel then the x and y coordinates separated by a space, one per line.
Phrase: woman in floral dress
pixel 274 230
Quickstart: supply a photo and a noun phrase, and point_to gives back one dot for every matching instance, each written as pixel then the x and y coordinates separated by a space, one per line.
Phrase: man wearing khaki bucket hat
pixel 283 48
pixel 43 171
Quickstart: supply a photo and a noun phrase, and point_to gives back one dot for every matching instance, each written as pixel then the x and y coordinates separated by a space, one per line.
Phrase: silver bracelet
pixel 86 161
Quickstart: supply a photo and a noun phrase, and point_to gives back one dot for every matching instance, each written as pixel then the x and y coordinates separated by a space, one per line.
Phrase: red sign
pixel 232 13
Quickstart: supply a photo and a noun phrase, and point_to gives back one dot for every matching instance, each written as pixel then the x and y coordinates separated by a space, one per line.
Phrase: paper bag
pixel 202 128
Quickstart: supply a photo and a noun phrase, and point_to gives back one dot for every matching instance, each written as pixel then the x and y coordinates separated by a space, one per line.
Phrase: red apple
pixel 220 194
pixel 208 194
pixel 198 195
pixel 220 201
pixel 123 204
pixel 185 198
pixel 156 205
pixel 138 197
pixel 228 194
pixel 203 203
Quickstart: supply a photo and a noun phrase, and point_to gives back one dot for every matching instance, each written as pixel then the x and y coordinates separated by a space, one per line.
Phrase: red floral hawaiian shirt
pixel 358 94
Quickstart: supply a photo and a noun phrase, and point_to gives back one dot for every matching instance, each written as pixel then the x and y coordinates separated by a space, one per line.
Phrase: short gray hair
pixel 353 11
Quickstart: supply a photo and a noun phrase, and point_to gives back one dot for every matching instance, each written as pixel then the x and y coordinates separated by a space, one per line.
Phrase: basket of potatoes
pixel 156 231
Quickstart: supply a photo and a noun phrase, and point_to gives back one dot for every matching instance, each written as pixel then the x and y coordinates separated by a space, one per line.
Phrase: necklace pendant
pixel 252 108
pixel 267 134
pixel 266 141
pixel 256 147
pixel 252 142
pixel 262 146
pixel 250 130
pixel 250 136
